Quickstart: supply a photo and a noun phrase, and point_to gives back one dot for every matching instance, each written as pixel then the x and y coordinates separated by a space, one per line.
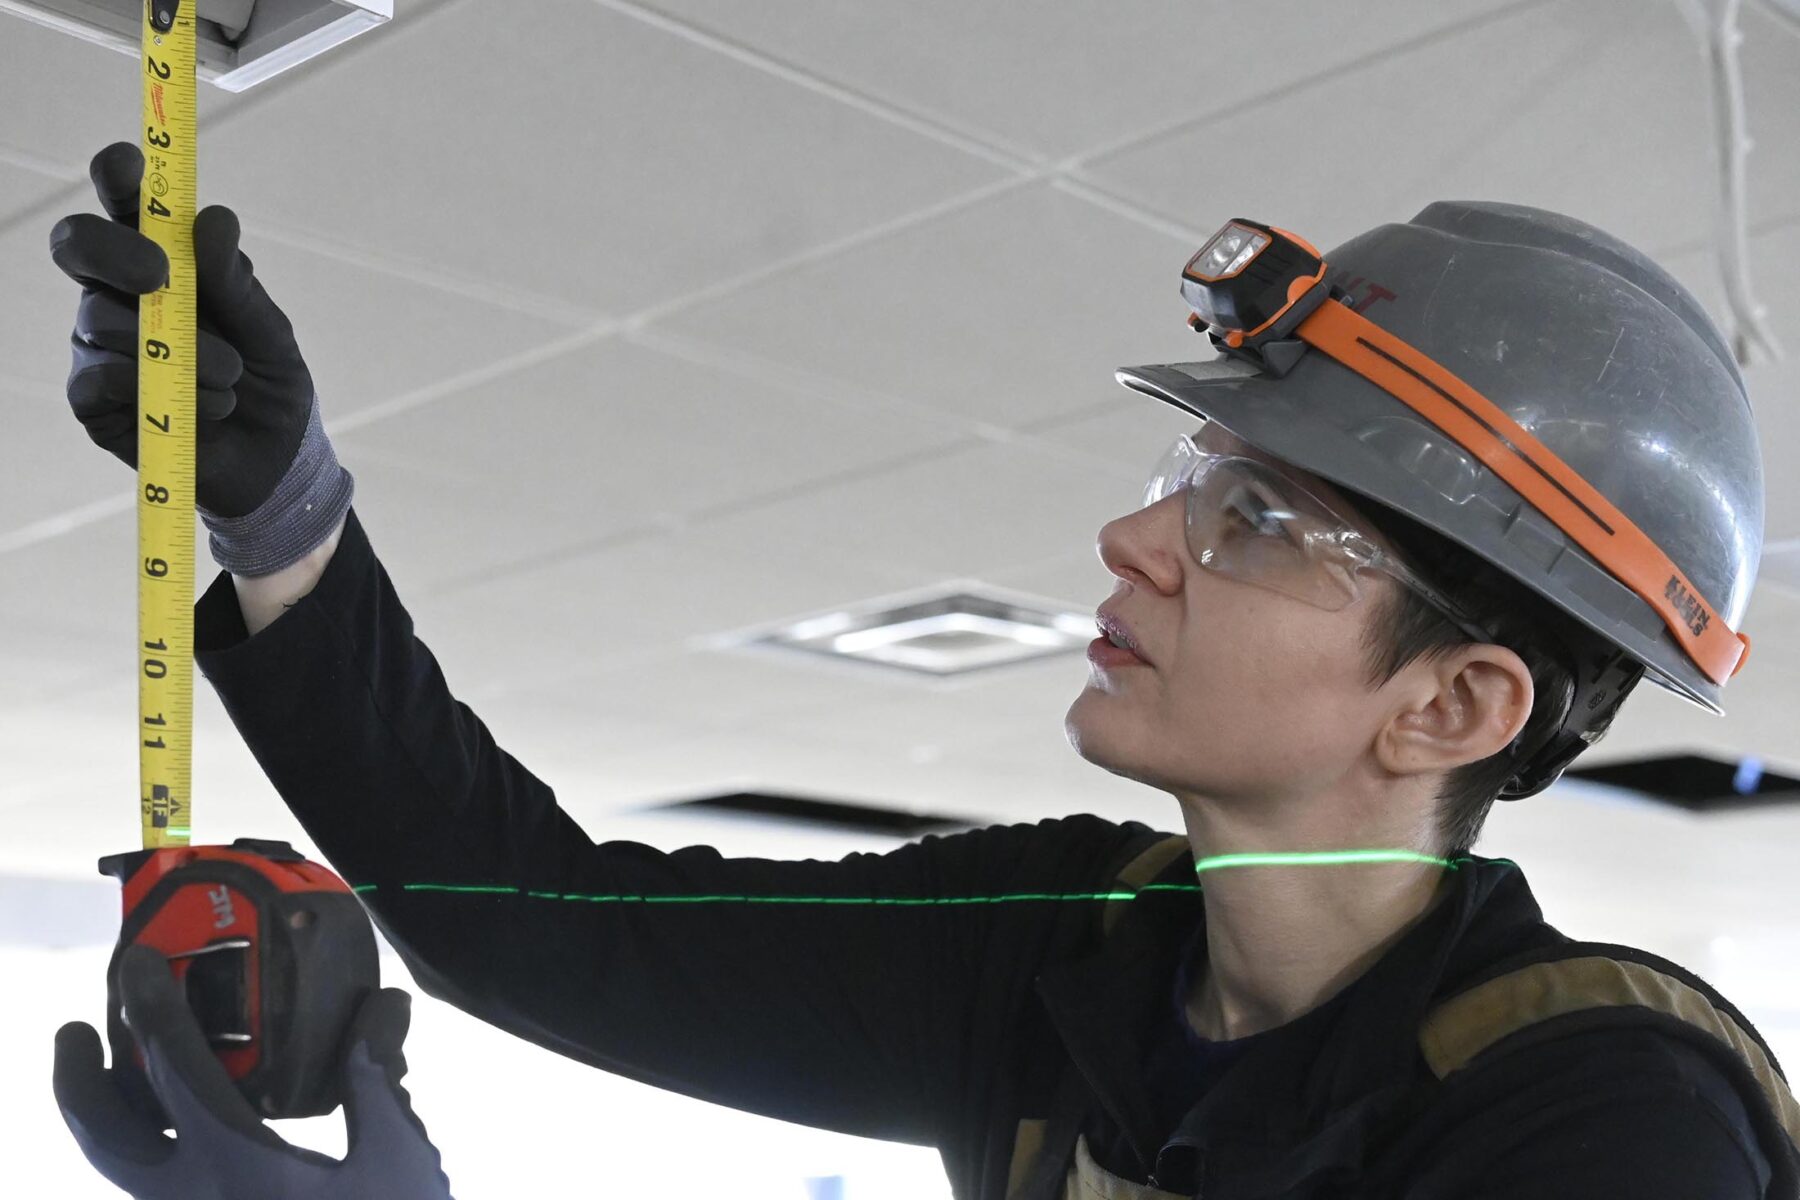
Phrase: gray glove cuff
pixel 297 517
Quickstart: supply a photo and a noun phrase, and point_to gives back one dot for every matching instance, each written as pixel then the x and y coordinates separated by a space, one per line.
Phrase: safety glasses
pixel 1251 522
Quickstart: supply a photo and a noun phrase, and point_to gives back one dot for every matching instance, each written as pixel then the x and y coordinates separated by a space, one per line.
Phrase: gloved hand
pixel 222 1150
pixel 267 483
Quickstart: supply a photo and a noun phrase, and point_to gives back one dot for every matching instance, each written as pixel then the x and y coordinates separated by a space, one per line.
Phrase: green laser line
pixel 1216 862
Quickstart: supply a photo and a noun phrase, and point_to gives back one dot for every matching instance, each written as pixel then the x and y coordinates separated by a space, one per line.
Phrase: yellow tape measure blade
pixel 168 344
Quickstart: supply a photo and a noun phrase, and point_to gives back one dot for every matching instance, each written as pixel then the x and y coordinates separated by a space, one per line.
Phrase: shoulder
pixel 1618 1111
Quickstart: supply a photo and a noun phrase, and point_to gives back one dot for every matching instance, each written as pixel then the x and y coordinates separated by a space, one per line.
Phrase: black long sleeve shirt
pixel 940 1017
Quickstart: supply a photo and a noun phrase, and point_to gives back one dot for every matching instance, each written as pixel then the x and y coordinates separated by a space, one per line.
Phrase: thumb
pixel 380 1025
pixel 387 1141
pixel 118 172
pixel 377 1109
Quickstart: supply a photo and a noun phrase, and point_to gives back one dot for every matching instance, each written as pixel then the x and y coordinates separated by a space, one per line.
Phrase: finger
pixel 378 1113
pixel 101 382
pixel 108 320
pixel 383 1127
pixel 116 433
pixel 104 373
pixel 218 370
pixel 233 299
pixel 95 252
pixel 382 1020
pixel 117 172
pixel 188 1077
pixel 104 1125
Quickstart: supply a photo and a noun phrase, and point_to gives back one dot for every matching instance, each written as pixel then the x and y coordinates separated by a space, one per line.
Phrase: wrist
pixel 307 505
pixel 263 598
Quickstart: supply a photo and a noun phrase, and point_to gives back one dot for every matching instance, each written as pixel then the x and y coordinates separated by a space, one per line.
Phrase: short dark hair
pixel 1405 627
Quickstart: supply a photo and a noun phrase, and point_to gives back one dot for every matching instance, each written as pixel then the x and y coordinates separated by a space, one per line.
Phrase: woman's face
pixel 1247 692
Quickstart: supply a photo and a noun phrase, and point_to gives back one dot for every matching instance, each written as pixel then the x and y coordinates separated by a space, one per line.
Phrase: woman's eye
pixel 1254 516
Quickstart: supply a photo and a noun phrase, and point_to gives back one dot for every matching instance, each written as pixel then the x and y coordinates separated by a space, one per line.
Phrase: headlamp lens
pixel 1229 250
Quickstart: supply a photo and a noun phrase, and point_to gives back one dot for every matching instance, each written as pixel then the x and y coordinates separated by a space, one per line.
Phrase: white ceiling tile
pixel 596 443
pixel 368 336
pixel 966 514
pixel 24 186
pixel 641 599
pixel 86 579
pixel 1770 64
pixel 701 688
pixel 1573 107
pixel 951 722
pixel 51 465
pixel 1012 311
pixel 1127 430
pixel 1066 77
pixel 42 64
pixel 582 157
pixel 46 662
pixel 427 540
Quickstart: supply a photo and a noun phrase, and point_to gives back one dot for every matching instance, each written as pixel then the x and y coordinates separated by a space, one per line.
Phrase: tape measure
pixel 168 350
pixel 273 953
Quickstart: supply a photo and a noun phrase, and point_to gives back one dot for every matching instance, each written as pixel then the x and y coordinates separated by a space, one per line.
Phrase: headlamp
pixel 1260 294
pixel 1248 277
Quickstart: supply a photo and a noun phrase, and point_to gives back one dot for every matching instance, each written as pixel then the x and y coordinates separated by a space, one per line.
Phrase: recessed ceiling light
pixel 951 630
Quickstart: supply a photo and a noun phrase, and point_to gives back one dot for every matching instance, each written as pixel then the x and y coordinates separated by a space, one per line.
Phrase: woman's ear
pixel 1460 708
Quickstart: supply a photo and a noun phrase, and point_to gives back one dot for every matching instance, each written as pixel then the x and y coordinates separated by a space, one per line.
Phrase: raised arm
pixel 844 995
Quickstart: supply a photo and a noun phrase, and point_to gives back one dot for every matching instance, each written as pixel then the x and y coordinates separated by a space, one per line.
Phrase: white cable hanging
pixel 1715 21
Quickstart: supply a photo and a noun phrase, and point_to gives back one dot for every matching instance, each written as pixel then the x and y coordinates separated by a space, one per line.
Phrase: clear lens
pixel 1257 242
pixel 1248 521
pixel 1221 253
pixel 1229 250
pixel 1171 471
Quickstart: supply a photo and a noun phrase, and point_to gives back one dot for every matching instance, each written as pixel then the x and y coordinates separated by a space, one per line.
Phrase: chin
pixel 1098 749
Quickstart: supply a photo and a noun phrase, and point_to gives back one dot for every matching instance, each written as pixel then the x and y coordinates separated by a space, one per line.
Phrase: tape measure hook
pixel 162 17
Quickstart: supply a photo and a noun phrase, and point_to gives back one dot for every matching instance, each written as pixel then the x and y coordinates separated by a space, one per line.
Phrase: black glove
pixel 222 1149
pixel 253 389
pixel 266 481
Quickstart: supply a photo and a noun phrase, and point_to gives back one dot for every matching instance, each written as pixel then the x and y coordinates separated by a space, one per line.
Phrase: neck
pixel 1282 940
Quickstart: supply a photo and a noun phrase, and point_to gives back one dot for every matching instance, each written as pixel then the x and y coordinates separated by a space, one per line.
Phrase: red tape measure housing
pixel 275 953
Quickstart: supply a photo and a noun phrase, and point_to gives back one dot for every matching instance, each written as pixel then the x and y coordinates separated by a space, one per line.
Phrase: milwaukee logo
pixel 223 917
pixel 1690 606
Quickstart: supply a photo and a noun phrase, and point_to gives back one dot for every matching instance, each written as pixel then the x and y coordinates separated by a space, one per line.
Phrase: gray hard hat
pixel 1583 341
